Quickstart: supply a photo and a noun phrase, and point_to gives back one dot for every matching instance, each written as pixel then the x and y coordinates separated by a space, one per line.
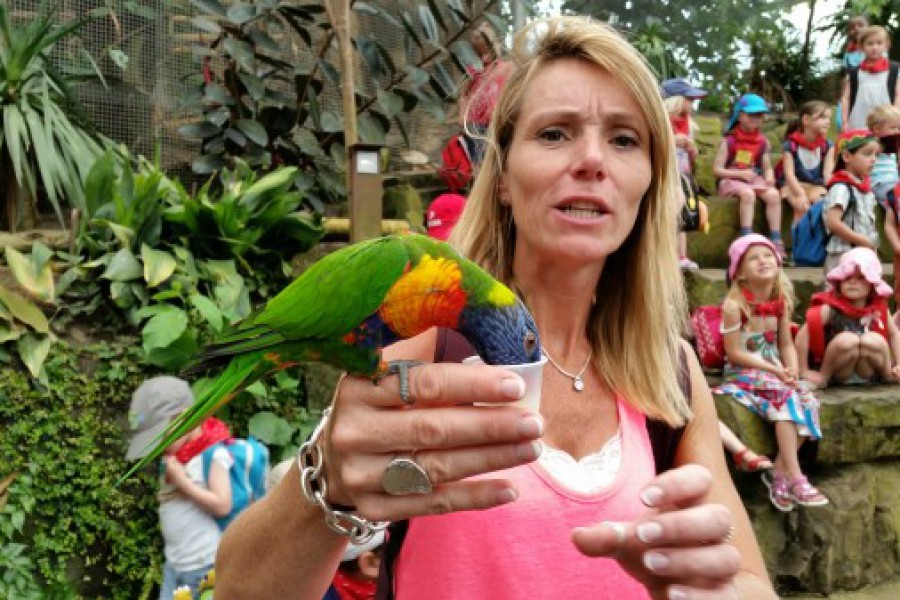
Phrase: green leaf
pixel 24 310
pixel 32 273
pixel 208 310
pixel 176 355
pixel 164 328
pixel 34 350
pixel 206 164
pixel 271 429
pixel 429 24
pixel 204 24
pixel 254 131
pixel 211 6
pixel 240 13
pixel 368 50
pixel 256 87
pixel 200 130
pixel 390 103
pixel 158 265
pixel 123 267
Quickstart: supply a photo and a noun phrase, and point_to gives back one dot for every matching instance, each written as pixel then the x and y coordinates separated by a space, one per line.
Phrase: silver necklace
pixel 577 381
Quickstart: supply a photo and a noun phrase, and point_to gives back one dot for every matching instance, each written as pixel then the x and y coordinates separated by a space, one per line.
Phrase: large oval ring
pixel 403 476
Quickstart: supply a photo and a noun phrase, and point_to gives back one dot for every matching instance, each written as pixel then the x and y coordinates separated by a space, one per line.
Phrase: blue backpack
pixel 247 474
pixel 809 236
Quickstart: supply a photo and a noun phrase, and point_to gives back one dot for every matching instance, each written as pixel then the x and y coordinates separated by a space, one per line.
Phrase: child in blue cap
pixel 744 169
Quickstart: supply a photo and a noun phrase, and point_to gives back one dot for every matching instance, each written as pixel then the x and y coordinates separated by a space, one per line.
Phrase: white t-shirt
pixel 191 535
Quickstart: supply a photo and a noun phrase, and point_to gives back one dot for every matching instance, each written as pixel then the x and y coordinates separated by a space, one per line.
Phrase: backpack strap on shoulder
pixel 892 80
pixel 853 79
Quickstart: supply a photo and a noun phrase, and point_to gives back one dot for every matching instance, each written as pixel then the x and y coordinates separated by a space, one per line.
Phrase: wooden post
pixel 343 28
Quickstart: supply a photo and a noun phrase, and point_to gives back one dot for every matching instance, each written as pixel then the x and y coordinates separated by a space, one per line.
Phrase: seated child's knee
pixel 847 344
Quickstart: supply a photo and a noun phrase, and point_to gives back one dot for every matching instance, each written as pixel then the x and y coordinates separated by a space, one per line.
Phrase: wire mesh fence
pixel 147 52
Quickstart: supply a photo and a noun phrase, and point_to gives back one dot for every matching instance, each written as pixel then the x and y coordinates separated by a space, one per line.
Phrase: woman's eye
pixel 625 141
pixel 552 135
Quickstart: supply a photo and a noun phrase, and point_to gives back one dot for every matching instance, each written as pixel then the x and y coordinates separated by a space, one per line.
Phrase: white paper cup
pixel 531 374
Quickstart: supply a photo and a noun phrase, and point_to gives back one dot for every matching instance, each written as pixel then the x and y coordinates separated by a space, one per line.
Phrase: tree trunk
pixel 807 40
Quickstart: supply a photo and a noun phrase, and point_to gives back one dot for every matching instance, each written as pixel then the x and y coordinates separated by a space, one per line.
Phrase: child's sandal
pixel 805 494
pixel 748 460
pixel 779 493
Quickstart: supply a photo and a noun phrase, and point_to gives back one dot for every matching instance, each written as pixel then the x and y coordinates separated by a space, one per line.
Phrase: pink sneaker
pixel 804 493
pixel 779 494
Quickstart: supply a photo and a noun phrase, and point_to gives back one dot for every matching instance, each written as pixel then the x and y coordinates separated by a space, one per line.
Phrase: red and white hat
pixel 442 215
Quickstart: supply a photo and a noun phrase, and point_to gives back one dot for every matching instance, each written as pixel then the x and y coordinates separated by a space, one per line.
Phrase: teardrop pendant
pixel 578 383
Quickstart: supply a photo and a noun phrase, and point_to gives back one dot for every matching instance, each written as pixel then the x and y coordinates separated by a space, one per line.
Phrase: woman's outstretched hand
pixel 440 431
pixel 681 548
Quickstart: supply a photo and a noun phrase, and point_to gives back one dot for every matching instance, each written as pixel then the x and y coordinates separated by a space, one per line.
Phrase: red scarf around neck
pixel 801 140
pixel 765 308
pixel 211 432
pixel 681 124
pixel 879 65
pixel 842 176
pixel 746 137
pixel 852 46
pixel 354 588
pixel 877 308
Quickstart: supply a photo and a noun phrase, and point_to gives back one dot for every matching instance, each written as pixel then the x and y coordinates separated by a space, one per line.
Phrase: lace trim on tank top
pixel 593 473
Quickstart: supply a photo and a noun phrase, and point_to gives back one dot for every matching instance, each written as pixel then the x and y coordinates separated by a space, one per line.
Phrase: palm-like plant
pixel 45 137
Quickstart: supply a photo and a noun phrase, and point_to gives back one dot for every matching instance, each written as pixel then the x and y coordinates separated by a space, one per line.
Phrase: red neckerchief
pixel 681 124
pixel 747 138
pixel 353 588
pixel 876 309
pixel 842 176
pixel 879 65
pixel 211 432
pixel 801 140
pixel 766 308
pixel 852 46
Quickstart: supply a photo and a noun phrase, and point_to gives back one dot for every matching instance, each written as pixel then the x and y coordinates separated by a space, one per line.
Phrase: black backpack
pixel 853 74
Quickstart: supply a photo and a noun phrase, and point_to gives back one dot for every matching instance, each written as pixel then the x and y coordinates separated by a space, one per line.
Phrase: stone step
pixel 711 249
pixel 708 286
pixel 854 541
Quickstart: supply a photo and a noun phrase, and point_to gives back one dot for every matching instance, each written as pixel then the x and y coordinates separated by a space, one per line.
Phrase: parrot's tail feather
pixel 242 371
pixel 223 350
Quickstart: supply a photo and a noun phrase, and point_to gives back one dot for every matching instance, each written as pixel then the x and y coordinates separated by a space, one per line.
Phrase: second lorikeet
pixel 346 307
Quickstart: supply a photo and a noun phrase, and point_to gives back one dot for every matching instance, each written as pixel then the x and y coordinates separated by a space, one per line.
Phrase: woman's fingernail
pixel 677 594
pixel 531 426
pixel 513 388
pixel 529 450
pixel 655 561
pixel 649 532
pixel 507 495
pixel 652 496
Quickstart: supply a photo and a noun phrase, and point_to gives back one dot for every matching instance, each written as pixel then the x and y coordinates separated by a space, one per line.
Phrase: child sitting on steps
pixel 849 336
pixel 761 364
pixel 744 169
pixel 808 157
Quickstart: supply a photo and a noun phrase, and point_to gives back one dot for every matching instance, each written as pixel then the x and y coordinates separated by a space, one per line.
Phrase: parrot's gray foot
pixel 401 368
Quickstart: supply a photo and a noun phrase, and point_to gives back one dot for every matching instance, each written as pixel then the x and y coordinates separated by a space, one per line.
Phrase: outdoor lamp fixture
pixel 365 191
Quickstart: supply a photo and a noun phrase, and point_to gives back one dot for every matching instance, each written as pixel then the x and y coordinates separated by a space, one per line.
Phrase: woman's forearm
pixel 751 587
pixel 292 552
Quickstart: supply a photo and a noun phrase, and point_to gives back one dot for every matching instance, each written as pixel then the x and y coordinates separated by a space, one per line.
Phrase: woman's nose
pixel 589 159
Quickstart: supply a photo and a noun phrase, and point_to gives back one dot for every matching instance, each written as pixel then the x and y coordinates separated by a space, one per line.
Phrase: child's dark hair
pixel 813 108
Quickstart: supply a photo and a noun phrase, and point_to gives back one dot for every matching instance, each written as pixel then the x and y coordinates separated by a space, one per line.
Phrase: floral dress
pixel 764 393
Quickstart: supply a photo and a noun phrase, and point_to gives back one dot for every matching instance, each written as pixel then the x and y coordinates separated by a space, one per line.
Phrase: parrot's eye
pixel 530 341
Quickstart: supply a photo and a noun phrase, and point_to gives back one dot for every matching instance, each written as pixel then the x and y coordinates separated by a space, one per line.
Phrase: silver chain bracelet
pixel 315 489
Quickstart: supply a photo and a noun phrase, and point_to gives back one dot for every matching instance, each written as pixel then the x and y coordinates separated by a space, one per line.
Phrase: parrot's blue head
pixel 502 335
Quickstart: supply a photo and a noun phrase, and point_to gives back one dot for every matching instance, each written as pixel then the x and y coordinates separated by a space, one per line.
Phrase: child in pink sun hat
pixel 849 336
pixel 761 370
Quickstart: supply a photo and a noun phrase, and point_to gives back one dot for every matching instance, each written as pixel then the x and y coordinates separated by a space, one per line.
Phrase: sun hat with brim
pixel 739 248
pixel 866 262
pixel 153 405
pixel 854 139
pixel 680 87
pixel 750 104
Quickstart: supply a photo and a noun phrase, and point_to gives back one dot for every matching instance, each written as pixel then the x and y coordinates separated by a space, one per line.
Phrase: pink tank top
pixel 524 549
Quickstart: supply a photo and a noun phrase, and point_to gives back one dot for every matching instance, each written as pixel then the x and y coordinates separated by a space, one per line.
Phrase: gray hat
pixel 153 405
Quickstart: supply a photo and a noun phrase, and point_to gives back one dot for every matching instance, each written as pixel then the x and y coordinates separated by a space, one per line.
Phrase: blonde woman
pixel 573 208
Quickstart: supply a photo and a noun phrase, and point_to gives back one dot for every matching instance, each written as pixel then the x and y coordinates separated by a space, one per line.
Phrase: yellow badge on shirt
pixel 743 158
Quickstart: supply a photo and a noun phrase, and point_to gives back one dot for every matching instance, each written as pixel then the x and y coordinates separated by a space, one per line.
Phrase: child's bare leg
pixel 772 200
pixel 788 443
pixel 729 439
pixel 874 357
pixel 746 201
pixel 841 356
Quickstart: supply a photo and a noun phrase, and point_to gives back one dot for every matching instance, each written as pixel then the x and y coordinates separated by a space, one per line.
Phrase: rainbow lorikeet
pixel 346 307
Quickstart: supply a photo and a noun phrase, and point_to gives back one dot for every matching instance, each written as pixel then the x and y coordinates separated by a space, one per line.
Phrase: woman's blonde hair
pixel 635 324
